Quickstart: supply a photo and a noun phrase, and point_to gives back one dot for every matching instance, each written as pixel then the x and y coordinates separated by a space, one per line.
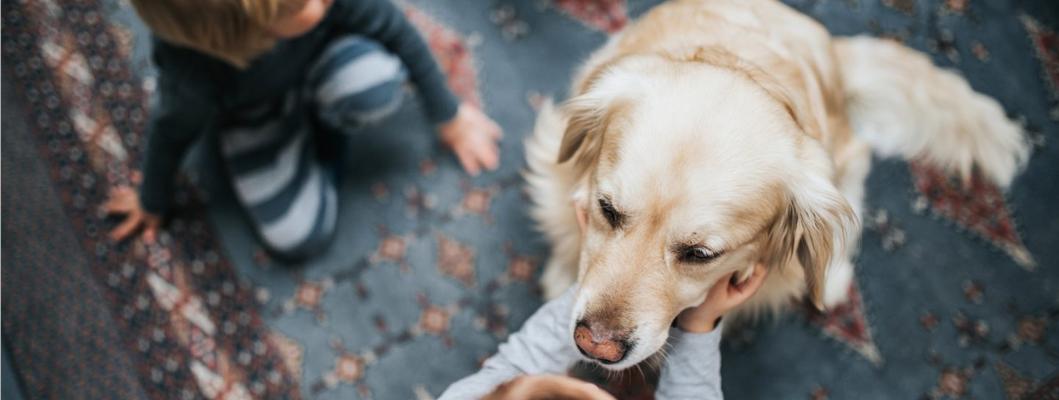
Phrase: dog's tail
pixel 549 186
pixel 903 105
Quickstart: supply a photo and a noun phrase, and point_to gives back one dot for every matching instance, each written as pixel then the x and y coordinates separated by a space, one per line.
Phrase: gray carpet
pixel 431 269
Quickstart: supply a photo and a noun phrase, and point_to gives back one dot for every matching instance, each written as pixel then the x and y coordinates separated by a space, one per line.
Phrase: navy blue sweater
pixel 195 89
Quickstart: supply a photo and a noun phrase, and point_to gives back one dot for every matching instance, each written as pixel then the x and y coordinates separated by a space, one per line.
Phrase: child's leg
pixel 355 82
pixel 288 194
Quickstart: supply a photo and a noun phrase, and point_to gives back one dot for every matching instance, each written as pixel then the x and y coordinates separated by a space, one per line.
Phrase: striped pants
pixel 271 151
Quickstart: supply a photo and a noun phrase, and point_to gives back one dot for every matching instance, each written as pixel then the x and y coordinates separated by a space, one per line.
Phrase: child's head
pixel 235 31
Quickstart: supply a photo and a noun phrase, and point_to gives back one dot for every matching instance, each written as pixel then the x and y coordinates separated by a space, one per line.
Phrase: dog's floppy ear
pixel 587 119
pixel 815 225
pixel 590 113
pixel 584 120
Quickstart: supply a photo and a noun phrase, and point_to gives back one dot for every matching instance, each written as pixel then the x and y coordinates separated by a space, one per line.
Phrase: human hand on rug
pixel 123 200
pixel 472 136
pixel 725 295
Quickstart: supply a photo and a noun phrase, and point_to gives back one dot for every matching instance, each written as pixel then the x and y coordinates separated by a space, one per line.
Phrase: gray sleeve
pixel 542 346
pixel 693 368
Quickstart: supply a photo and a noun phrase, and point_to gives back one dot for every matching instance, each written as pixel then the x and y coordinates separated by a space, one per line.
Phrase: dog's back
pixel 896 99
pixel 765 35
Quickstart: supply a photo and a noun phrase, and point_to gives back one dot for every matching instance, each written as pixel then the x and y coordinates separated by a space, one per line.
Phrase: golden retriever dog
pixel 712 135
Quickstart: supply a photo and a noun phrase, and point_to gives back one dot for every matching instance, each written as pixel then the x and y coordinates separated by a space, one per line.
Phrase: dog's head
pixel 692 168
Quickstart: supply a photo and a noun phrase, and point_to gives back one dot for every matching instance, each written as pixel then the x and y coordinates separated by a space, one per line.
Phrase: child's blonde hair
pixel 235 31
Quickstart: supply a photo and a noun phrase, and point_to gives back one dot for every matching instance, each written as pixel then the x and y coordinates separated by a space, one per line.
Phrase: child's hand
pixel 725 295
pixel 472 136
pixel 533 387
pixel 124 200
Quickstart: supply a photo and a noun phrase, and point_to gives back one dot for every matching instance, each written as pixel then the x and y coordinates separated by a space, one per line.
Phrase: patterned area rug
pixel 954 298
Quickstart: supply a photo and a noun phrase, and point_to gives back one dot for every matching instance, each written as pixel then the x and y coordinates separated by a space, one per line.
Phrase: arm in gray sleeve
pixel 693 368
pixel 542 346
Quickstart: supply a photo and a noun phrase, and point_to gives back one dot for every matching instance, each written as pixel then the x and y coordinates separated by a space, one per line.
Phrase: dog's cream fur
pixel 728 125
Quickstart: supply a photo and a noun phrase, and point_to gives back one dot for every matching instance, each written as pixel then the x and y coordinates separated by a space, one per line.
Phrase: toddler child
pixel 268 81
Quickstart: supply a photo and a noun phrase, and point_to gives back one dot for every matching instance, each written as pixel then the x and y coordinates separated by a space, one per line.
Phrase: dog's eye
pixel 612 215
pixel 697 255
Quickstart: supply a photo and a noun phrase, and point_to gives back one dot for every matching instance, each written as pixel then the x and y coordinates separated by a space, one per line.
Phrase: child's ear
pixel 582 217
pixel 580 204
